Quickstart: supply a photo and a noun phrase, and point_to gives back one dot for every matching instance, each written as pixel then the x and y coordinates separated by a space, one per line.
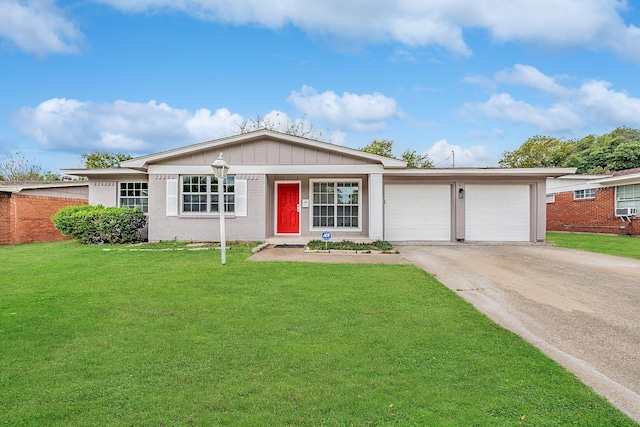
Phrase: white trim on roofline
pixel 270 169
pixel 16 188
pixel 613 181
pixel 105 171
pixel 484 172
pixel 144 161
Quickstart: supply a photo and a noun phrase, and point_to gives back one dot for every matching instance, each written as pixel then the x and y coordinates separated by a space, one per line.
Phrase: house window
pixel 551 198
pixel 628 196
pixel 336 204
pixel 134 194
pixel 200 194
pixel 584 194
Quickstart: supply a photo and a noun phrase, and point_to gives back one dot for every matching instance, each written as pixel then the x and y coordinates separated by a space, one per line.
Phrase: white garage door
pixel 497 213
pixel 417 212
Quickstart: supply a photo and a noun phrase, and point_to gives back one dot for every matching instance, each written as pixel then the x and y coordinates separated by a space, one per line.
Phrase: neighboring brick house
pixel 595 203
pixel 26 208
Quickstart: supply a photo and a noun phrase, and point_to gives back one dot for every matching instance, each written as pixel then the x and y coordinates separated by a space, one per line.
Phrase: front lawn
pixel 166 338
pixel 625 246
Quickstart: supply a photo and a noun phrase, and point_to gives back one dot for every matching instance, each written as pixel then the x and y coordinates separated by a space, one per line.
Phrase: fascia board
pixel 19 188
pixel 100 172
pixel 619 180
pixel 485 172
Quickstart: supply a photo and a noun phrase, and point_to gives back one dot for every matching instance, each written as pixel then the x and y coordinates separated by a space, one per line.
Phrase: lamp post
pixel 220 169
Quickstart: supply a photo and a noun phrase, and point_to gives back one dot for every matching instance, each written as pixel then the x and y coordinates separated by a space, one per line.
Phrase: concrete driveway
pixel 581 309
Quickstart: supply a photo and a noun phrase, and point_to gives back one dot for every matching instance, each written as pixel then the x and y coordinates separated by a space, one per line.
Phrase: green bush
pixel 97 224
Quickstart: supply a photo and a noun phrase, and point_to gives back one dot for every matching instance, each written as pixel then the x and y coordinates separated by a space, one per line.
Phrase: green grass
pixel 166 338
pixel 624 246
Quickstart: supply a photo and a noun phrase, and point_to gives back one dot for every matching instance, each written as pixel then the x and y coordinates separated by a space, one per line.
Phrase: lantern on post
pixel 220 170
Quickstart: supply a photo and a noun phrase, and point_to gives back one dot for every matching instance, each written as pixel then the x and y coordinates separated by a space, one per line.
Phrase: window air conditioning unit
pixel 625 211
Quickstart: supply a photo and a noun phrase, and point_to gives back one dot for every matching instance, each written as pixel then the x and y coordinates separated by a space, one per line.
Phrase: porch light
pixel 220 169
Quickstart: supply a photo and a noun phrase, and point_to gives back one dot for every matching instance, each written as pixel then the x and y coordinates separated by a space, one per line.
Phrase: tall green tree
pixel 616 150
pixel 384 148
pixel 16 167
pixel 538 152
pixel 417 161
pixel 613 151
pixel 102 159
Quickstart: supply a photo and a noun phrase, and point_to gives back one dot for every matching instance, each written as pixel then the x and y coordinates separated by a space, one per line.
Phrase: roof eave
pixel 102 171
pixel 35 186
pixel 619 180
pixel 487 172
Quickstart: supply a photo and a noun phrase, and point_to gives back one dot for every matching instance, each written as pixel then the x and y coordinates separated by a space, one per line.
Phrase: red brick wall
pixel 6 219
pixel 588 215
pixel 27 219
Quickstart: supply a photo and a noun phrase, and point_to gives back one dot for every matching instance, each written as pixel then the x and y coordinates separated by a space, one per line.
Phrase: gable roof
pixel 143 162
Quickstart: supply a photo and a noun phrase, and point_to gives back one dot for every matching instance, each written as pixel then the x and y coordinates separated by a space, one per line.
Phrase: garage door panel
pixel 417 212
pixel 500 213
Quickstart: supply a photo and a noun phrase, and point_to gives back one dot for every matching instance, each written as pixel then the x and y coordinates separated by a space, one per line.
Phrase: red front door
pixel 288 208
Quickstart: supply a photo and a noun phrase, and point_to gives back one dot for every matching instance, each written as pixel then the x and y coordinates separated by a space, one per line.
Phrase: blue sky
pixel 473 77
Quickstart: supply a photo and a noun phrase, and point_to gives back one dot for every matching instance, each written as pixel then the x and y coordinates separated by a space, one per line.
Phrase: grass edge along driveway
pixel 618 245
pixel 111 338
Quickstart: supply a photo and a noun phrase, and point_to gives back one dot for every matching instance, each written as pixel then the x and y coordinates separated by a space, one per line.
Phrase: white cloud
pixel 608 106
pixel 527 75
pixel 443 154
pixel 594 101
pixel 69 124
pixel 503 107
pixel 368 112
pixel 38 27
pixel 337 137
pixel 567 24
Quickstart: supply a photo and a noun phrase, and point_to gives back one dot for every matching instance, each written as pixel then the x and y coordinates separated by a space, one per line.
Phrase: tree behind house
pixel 614 151
pixel 384 148
pixel 16 167
pixel 102 159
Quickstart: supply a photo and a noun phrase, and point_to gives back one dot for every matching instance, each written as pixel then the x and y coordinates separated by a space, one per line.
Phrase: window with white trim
pixel 200 194
pixel 335 204
pixel 134 194
pixel 628 196
pixel 589 193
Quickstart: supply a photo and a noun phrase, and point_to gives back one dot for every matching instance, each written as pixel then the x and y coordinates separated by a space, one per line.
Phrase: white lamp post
pixel 220 169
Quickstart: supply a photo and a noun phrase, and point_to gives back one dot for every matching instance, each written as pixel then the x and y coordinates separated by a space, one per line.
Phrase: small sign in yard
pixel 326 236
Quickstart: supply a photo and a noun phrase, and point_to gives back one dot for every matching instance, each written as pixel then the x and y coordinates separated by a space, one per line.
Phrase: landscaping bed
pixel 378 247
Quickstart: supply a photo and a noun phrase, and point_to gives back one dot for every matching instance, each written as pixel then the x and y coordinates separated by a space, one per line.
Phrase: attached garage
pixel 498 213
pixel 417 212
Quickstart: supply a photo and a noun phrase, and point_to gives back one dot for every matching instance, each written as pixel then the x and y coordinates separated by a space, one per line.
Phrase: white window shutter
pixel 172 197
pixel 241 197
